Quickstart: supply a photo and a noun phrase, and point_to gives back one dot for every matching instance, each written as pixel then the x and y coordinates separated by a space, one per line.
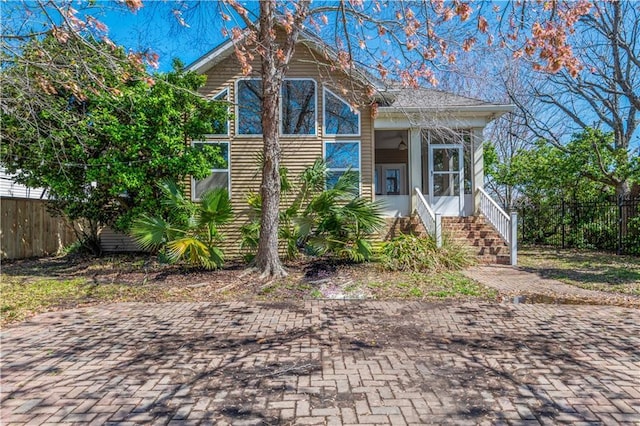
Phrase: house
pixel 421 152
pixel 9 188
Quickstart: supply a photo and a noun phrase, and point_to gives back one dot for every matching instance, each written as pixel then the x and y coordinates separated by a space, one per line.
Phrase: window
pixel 220 176
pixel 249 94
pixel 221 127
pixel 298 107
pixel 340 158
pixel 390 179
pixel 339 117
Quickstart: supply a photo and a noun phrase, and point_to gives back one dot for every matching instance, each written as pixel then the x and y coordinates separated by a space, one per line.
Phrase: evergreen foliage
pixel 101 154
pixel 189 232
pixel 320 221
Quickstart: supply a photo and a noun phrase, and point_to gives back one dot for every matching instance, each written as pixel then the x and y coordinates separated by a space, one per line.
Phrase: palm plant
pixel 342 221
pixel 334 221
pixel 191 233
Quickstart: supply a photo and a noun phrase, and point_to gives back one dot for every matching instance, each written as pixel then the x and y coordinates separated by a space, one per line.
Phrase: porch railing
pixel 505 224
pixel 432 221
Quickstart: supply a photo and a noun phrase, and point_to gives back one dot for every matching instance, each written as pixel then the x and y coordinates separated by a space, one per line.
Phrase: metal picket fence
pixel 611 224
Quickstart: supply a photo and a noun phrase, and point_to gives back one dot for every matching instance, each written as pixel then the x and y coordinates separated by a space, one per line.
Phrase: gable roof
pixel 393 98
pixel 212 58
pixel 312 41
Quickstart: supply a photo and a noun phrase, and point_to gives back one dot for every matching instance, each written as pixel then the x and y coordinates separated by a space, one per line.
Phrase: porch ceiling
pixel 390 139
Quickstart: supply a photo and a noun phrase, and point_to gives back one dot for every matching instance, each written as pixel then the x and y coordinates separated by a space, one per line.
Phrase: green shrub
pixel 317 221
pixel 411 253
pixel 631 239
pixel 191 233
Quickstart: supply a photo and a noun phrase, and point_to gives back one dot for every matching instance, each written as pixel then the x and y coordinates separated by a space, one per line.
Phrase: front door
pixel 446 193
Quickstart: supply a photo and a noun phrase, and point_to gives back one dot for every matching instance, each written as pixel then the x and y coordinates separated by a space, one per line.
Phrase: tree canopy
pixel 581 170
pixel 603 94
pixel 101 151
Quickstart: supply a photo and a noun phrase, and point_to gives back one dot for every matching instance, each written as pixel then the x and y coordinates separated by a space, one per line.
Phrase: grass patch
pixel 33 286
pixel 416 285
pixel 585 269
pixel 408 252
pixel 21 299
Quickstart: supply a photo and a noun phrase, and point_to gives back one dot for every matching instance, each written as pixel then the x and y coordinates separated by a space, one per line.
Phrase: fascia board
pixel 466 110
pixel 212 58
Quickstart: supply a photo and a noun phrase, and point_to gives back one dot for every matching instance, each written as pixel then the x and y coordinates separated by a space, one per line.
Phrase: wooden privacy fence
pixel 28 230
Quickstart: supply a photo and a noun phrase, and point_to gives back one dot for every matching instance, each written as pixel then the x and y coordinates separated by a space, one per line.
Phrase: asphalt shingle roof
pixel 429 98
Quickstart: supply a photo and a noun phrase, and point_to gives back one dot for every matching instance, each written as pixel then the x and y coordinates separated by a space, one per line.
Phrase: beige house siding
pixel 298 152
pixel 116 242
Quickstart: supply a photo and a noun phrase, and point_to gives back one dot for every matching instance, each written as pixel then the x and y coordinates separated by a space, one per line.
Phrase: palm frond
pixel 348 184
pixel 250 233
pixel 215 208
pixel 173 195
pixel 149 232
pixel 313 177
pixel 216 256
pixel 305 225
pixel 365 215
pixel 191 249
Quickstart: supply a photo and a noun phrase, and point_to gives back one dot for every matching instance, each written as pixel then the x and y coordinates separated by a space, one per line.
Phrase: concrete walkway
pixel 512 282
pixel 324 362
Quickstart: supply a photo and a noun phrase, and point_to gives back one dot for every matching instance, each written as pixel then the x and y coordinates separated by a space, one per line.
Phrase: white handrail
pixel 431 220
pixel 505 224
pixel 492 211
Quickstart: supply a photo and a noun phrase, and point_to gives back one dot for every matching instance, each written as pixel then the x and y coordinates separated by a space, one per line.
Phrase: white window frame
pixel 324 116
pixel 215 98
pixel 227 170
pixel 342 169
pixel 459 138
pixel 315 120
pixel 237 110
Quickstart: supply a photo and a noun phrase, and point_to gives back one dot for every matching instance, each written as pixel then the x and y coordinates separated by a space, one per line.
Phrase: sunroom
pixel 429 144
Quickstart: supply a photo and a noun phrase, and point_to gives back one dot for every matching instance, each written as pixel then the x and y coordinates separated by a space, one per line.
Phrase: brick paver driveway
pixel 324 363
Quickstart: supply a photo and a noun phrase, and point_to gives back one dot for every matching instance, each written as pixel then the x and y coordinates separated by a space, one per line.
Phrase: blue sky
pixel 154 27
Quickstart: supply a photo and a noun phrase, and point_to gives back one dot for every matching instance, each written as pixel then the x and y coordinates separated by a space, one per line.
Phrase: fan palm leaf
pixel 150 232
pixel 215 208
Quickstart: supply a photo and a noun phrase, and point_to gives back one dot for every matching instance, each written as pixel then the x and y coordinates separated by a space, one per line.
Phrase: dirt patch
pixel 40 285
pixel 308 278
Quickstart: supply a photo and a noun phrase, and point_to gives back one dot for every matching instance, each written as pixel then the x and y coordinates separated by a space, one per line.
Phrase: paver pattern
pixel 324 362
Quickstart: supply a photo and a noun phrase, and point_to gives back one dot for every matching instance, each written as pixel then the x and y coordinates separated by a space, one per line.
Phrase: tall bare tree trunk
pixel 267 258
